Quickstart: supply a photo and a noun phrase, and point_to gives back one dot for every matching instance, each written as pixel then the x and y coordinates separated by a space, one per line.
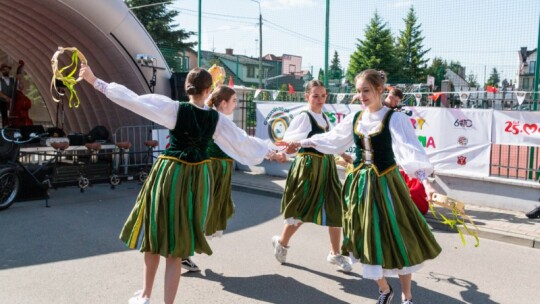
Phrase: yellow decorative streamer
pixel 458 216
pixel 68 80
pixel 218 75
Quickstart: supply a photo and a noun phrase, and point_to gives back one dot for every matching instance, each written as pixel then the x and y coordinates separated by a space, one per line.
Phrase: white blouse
pixel 408 151
pixel 301 126
pixel 163 110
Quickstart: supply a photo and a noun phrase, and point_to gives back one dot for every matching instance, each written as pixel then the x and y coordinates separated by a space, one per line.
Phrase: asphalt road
pixel 70 253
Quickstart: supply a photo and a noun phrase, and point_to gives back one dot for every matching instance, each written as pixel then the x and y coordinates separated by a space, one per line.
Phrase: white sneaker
pixel 280 252
pixel 137 299
pixel 343 263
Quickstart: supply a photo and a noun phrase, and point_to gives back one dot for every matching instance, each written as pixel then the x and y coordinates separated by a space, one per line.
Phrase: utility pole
pixel 326 43
pixel 532 150
pixel 260 43
pixel 199 36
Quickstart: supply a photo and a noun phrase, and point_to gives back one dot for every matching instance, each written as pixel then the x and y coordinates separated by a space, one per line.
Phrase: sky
pixel 478 35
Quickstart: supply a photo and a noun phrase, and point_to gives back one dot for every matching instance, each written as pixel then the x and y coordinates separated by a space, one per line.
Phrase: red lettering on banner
pixel 515 128
pixel 431 142
pixel 413 122
pixel 339 116
pixel 530 128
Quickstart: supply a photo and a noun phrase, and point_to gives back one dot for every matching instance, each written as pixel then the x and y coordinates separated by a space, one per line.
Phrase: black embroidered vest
pixel 382 155
pixel 315 129
pixel 191 136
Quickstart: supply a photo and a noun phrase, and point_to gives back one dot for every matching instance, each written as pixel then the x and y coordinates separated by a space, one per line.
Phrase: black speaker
pixel 178 91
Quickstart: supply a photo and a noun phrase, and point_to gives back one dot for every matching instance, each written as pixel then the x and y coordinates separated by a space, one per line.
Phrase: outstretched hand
pixel 86 73
pixel 290 146
pixel 279 157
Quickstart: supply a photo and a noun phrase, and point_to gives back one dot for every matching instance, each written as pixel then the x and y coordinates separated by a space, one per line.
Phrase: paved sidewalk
pixel 500 225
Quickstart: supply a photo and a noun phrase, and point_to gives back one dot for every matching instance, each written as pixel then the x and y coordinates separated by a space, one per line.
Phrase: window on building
pixel 251 71
pixel 292 68
pixel 532 67
pixel 525 85
pixel 185 63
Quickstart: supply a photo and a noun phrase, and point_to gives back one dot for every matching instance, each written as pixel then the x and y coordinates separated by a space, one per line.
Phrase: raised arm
pixel 157 108
pixel 334 142
pixel 237 144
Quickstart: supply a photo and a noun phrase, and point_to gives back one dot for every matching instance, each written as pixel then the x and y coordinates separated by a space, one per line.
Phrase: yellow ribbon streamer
pixel 458 216
pixel 218 75
pixel 68 80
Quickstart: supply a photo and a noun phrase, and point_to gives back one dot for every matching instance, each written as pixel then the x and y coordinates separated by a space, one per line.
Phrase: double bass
pixel 20 104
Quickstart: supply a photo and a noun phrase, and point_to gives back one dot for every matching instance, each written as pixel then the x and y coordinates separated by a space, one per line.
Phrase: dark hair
pixel 197 81
pixel 220 94
pixel 396 92
pixel 375 78
pixel 313 83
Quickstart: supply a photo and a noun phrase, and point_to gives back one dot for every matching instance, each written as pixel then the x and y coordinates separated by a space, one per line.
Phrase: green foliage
pixel 410 51
pixel 494 78
pixel 376 51
pixel 471 79
pixel 335 71
pixel 158 21
pixel 438 68
pixel 321 75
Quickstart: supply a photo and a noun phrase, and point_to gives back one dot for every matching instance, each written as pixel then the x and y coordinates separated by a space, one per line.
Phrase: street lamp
pixel 260 43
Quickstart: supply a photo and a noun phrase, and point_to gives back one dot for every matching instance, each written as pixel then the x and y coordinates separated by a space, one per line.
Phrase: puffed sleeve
pixel 336 141
pixel 157 108
pixel 299 128
pixel 408 151
pixel 237 144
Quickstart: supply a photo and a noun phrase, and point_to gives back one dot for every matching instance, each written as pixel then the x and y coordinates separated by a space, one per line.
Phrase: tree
pixel 410 51
pixel 335 68
pixel 437 69
pixel 321 75
pixel 494 78
pixel 158 21
pixel 376 51
pixel 471 79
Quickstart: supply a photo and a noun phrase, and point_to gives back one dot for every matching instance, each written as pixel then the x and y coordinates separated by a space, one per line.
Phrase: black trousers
pixel 4 112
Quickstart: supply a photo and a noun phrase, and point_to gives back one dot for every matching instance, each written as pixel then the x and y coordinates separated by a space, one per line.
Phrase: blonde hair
pixel 376 79
pixel 220 94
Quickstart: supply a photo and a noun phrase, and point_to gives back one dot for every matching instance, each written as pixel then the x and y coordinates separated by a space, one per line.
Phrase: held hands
pixel 289 147
pixel 279 156
pixel 86 73
pixel 347 158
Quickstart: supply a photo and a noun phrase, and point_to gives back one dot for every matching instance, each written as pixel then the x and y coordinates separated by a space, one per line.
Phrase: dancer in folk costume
pixel 382 228
pixel 312 190
pixel 171 209
pixel 223 99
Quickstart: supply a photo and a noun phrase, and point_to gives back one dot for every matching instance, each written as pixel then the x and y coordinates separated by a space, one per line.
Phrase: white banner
pixel 455 139
pixel 516 128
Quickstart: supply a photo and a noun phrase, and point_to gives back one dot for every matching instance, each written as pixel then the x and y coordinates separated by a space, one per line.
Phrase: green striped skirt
pixel 222 207
pixel 312 191
pixel 170 213
pixel 382 228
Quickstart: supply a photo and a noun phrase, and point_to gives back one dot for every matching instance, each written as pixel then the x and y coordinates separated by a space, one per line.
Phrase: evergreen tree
pixel 494 78
pixel 410 51
pixel 375 51
pixel 471 79
pixel 158 21
pixel 335 68
pixel 321 75
pixel 437 69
